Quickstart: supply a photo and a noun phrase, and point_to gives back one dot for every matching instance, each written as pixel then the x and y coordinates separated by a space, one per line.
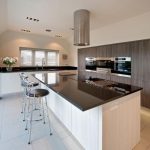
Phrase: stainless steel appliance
pixel 105 62
pixel 122 65
pixel 90 63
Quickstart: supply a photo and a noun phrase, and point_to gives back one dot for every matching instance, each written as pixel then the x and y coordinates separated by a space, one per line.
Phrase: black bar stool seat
pixel 38 93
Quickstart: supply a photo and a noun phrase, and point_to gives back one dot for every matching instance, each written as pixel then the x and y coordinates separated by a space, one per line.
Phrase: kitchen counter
pixel 82 94
pixel 37 68
pixel 97 112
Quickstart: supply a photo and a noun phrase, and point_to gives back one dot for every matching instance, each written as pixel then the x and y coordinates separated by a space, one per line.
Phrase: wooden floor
pixel 14 137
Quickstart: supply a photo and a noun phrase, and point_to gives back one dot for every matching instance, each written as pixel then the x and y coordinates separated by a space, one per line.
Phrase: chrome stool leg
pixel 28 112
pixel 24 111
pixel 30 127
pixel 49 123
pixel 42 102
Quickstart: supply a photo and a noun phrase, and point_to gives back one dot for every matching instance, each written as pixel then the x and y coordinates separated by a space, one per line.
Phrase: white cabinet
pixel 0 86
pixel 121 123
pixel 111 126
pixel 60 107
pixel 86 126
pixel 10 83
pixel 80 125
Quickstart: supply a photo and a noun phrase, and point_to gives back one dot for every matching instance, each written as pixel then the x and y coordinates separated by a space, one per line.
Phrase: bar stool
pixel 24 76
pixel 36 97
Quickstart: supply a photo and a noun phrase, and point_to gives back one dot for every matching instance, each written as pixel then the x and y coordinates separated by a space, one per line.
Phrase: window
pixel 26 57
pixel 52 59
pixel 36 57
pixel 39 57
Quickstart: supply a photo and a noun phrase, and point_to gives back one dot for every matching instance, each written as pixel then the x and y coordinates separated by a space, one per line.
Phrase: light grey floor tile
pixel 48 143
pixel 12 129
pixel 14 137
pixel 71 144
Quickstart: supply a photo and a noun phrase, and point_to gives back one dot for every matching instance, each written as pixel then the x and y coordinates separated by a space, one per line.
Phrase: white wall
pixel 128 30
pixel 3 16
pixel 10 42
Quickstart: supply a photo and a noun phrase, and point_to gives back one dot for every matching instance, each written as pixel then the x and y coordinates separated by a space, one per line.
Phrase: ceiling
pixel 57 15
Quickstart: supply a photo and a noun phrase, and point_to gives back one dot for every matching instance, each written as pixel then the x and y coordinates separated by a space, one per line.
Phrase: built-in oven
pixel 122 65
pixel 90 63
pixel 105 63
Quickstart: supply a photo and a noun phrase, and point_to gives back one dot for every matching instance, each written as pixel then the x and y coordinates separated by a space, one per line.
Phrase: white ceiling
pixel 58 14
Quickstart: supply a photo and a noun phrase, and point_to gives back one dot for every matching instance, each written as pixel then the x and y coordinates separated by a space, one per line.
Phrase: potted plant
pixel 9 62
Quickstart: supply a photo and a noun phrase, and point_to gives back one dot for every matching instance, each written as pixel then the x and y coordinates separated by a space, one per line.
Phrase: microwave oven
pixel 105 63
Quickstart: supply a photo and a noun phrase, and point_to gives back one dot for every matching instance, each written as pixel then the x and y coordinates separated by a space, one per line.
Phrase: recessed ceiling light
pixel 24 30
pixel 58 36
pixel 48 30
pixel 33 19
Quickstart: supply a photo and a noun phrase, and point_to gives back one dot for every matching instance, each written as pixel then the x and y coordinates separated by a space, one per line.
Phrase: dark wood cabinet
pixel 81 59
pixel 137 60
pixel 90 52
pixel 139 51
pixel 120 79
pixel 104 51
pixel 145 101
pixel 121 50
pixel 146 60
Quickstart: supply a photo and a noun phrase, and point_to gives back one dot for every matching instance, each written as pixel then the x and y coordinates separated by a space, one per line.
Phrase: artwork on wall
pixel 64 56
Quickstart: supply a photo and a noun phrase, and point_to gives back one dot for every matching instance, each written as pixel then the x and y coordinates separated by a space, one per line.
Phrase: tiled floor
pixel 144 144
pixel 14 137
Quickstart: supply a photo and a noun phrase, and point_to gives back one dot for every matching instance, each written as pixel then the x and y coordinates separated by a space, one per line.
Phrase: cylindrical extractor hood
pixel 81 27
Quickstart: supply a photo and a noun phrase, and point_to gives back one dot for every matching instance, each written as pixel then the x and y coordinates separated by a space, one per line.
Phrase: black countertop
pixel 82 94
pixel 37 68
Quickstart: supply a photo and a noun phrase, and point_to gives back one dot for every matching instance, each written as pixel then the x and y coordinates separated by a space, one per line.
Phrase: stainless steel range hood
pixel 81 27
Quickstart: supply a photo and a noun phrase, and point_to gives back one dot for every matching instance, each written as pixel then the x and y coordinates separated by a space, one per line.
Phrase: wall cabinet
pixel 81 59
pixel 137 60
pixel 146 59
pixel 121 50
pixel 104 51
pixel 90 52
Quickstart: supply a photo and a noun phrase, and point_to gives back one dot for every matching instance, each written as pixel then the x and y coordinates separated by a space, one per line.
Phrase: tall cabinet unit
pixel 139 51
pixel 146 74
pixel 121 50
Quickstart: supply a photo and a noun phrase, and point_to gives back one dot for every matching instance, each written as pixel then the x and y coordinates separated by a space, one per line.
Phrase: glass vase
pixel 9 68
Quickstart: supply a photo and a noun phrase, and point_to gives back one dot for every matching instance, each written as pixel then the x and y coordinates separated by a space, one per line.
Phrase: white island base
pixel 112 126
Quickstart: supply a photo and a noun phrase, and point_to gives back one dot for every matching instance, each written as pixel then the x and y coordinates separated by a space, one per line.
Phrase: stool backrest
pixel 22 77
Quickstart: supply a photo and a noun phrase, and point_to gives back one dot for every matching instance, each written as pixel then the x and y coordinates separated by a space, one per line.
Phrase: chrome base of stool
pixel 44 108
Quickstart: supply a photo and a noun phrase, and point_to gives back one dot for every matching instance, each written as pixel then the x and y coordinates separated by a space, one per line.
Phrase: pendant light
pixel 81 27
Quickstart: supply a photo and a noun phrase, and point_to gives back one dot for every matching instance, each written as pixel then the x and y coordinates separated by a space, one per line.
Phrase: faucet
pixel 43 62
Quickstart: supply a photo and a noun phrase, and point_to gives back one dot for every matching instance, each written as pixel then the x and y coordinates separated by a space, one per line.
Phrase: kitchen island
pixel 101 115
